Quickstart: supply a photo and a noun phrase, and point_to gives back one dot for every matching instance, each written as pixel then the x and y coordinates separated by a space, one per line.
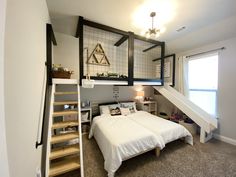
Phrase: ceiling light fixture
pixel 153 32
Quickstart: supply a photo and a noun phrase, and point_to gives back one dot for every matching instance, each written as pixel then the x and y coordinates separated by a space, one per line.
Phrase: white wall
pixel 25 55
pixel 226 85
pixel 105 93
pixel 4 171
pixel 66 53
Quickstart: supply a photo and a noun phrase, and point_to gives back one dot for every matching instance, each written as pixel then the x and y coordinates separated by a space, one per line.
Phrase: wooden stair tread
pixel 64 103
pixel 65 124
pixel 64 137
pixel 64 113
pixel 64 166
pixel 65 93
pixel 64 151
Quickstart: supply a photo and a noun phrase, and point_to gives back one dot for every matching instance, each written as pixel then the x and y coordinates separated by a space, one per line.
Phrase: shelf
pixel 86 109
pixel 85 121
pixel 64 81
pixel 64 137
pixel 65 124
pixel 66 93
pixel 64 151
pixel 65 103
pixel 64 167
pixel 64 113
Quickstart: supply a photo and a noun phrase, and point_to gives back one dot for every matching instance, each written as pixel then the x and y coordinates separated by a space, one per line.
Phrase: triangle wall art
pixel 98 56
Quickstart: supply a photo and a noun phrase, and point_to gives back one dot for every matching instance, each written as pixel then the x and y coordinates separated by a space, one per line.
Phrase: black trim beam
pixel 151 47
pixel 131 59
pixel 51 32
pixel 162 62
pixel 121 40
pixel 147 39
pixel 147 80
pixel 104 27
pixel 81 47
pixel 167 56
pixel 107 78
pixel 77 30
pixel 173 73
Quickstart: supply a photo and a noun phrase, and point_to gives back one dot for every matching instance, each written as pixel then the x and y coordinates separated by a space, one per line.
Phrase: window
pixel 203 81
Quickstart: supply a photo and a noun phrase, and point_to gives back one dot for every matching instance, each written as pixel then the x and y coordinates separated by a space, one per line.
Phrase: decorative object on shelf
pixel 98 56
pixel 153 32
pixel 112 75
pixel 116 92
pixel 85 104
pixel 148 99
pixel 60 72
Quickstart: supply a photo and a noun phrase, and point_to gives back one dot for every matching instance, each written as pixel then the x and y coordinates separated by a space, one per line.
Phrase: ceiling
pixel 206 21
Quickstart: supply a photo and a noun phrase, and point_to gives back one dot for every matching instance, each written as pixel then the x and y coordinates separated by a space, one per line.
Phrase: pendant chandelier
pixel 153 32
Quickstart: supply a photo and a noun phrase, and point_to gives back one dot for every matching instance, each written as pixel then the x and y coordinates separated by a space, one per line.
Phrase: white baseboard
pixel 225 139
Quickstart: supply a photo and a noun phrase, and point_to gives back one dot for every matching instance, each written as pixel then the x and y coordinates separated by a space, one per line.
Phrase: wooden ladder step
pixel 64 166
pixel 64 151
pixel 64 137
pixel 66 93
pixel 65 103
pixel 65 124
pixel 64 113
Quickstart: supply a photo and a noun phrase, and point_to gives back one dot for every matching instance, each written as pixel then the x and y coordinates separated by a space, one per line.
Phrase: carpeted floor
pixel 177 159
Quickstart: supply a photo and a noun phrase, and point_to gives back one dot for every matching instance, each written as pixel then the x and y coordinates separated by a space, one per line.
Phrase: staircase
pixel 206 122
pixel 64 145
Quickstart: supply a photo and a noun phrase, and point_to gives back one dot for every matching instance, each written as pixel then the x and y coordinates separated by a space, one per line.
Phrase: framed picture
pixel 169 69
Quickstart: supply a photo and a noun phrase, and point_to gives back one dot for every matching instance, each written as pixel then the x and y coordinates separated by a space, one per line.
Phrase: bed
pixel 169 131
pixel 120 138
pixel 125 136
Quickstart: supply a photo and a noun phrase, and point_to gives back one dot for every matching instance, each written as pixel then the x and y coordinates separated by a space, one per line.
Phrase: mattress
pixel 120 138
pixel 169 131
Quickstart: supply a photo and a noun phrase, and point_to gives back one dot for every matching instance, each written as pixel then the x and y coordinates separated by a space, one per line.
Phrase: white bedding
pixel 120 138
pixel 168 130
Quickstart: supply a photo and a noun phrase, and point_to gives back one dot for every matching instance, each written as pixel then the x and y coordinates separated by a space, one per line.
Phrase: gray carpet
pixel 177 159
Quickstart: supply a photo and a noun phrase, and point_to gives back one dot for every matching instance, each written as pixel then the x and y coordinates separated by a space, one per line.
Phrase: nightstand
pixel 86 115
pixel 148 106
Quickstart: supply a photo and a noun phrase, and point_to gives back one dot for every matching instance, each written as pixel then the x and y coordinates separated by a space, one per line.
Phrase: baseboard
pixel 225 139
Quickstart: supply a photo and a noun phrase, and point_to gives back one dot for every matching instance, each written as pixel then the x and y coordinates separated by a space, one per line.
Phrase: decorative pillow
pixel 130 105
pixel 125 111
pixel 104 110
pixel 114 110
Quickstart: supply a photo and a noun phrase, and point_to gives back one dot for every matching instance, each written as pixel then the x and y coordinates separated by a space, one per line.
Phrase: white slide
pixel 206 122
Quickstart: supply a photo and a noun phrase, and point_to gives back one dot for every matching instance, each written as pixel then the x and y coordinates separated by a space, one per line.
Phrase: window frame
pixel 202 56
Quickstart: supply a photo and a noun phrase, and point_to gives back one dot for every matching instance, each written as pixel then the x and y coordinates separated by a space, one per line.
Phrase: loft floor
pixel 214 158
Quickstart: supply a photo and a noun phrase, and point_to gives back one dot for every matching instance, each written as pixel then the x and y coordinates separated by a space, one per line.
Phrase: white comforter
pixel 120 138
pixel 168 130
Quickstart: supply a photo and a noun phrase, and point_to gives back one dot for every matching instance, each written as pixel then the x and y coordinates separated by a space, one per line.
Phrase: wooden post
pixel 157 151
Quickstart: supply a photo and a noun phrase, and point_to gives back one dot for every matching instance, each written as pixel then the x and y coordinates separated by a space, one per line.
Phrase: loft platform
pixel 127 63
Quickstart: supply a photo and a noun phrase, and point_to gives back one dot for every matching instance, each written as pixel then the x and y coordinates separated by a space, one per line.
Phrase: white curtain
pixel 183 75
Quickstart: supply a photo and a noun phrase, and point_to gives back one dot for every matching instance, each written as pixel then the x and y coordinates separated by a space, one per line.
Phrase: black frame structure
pixel 173 66
pixel 50 39
pixel 130 36
pixel 155 44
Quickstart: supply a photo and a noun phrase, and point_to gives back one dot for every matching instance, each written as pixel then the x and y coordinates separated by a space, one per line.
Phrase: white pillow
pixel 125 111
pixel 130 105
pixel 104 110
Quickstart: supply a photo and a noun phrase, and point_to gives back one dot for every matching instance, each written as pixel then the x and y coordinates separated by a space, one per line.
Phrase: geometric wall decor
pixel 98 56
